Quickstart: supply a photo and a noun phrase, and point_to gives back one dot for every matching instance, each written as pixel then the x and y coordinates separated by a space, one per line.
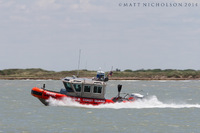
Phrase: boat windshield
pixel 77 87
pixel 68 87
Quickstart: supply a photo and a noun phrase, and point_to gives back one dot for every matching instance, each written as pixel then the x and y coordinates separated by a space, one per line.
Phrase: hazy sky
pixel 49 33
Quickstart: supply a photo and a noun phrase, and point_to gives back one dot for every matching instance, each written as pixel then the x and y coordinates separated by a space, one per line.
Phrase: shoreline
pixel 112 78
pixel 149 74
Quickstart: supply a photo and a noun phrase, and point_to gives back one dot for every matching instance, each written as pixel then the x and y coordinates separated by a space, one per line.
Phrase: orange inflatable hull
pixel 43 95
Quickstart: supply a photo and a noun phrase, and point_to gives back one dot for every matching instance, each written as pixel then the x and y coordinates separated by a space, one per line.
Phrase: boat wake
pixel 150 102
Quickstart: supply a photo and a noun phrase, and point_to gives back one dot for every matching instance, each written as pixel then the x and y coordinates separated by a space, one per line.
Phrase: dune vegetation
pixel 128 74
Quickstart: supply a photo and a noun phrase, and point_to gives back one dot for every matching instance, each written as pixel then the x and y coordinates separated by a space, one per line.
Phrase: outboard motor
pixel 119 89
pixel 127 97
pixel 43 86
pixel 118 98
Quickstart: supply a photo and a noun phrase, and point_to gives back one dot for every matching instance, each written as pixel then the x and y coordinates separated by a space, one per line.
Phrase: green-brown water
pixel 172 107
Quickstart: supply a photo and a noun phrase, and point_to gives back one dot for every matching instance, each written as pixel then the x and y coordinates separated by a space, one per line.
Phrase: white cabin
pixel 83 87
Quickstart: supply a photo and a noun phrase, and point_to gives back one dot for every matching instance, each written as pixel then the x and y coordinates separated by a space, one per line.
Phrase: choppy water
pixel 172 107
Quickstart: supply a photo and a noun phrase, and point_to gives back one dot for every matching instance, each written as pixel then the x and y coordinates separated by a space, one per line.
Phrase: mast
pixel 79 62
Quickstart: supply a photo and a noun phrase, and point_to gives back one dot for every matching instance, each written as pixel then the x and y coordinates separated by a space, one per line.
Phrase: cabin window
pixel 77 87
pixel 86 88
pixel 97 89
pixel 68 87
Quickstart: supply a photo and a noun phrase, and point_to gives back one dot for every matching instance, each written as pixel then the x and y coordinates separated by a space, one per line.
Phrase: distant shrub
pixel 1 72
pixel 140 70
pixel 168 70
pixel 157 70
pixel 128 70
pixel 118 70
pixel 189 70
pixel 10 71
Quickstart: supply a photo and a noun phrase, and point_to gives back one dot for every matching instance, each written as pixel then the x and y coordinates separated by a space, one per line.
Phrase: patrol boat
pixel 84 91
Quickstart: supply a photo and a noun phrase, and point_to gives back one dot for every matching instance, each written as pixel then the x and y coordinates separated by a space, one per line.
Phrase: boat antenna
pixel 111 68
pixel 79 62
